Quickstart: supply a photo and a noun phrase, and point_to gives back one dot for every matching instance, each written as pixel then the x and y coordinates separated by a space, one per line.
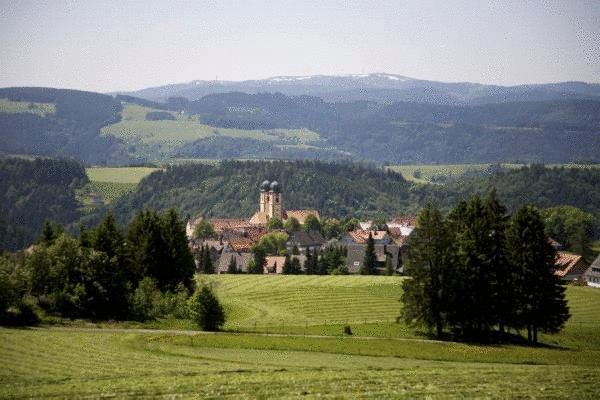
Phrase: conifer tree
pixel 232 267
pixel 425 295
pixel 389 266
pixel 181 260
pixel 368 266
pixel 287 266
pixel 540 294
pixel 207 264
pixel 205 309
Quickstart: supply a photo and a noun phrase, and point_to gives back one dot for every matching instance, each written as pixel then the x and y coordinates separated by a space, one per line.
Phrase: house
pixel 404 225
pixel 312 240
pixel 356 255
pixel 592 274
pixel 360 236
pixel 570 267
pixel 274 264
pixel 241 260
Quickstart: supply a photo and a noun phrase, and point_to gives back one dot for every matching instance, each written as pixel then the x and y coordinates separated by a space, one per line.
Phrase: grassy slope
pixel 156 139
pixel 112 183
pixel 12 107
pixel 77 363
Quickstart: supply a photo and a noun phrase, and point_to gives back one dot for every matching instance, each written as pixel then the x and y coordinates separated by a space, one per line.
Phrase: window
pixel 594 269
pixel 356 263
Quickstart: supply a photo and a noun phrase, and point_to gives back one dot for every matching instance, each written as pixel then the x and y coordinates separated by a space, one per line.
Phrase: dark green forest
pixel 32 191
pixel 404 132
pixel 72 132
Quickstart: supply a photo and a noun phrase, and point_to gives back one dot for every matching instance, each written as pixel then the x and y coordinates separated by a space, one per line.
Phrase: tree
pixel 312 223
pixel 256 265
pixel 274 224
pixel 287 268
pixel 204 230
pixel 273 243
pixel 207 265
pixel 205 309
pixel 389 265
pixel 541 298
pixel 308 263
pixel 232 267
pixel 50 231
pixel 571 227
pixel 181 261
pixel 332 228
pixel 429 263
pixel 378 222
pixel 292 225
pixel 369 266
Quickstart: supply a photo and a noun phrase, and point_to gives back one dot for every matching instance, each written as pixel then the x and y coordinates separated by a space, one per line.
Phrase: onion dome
pixel 264 186
pixel 275 187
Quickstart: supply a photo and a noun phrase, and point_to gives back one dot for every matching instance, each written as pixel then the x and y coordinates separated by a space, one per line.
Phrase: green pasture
pixel 16 107
pixel 156 139
pixel 381 360
pixel 112 183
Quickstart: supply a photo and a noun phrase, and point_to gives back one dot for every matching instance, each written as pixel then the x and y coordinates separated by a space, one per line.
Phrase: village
pixel 230 242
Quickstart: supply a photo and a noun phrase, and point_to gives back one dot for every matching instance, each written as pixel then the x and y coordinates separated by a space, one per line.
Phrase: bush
pixel 347 330
pixel 205 309
pixel 148 302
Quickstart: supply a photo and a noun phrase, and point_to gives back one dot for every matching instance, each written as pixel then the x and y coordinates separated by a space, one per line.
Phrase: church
pixel 271 206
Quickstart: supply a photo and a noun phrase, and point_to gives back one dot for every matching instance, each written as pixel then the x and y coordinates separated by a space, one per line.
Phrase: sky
pixel 126 45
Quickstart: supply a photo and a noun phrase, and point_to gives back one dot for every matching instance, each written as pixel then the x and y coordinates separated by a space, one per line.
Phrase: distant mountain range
pixel 377 87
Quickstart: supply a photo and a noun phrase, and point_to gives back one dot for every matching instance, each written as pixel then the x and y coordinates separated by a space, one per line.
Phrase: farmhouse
pixel 592 274
pixel 570 267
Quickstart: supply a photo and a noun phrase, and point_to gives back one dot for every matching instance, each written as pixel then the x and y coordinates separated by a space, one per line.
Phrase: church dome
pixel 275 187
pixel 264 186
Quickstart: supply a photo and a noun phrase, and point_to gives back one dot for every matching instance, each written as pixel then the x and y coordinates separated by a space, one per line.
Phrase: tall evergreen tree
pixel 369 266
pixel 425 296
pixel 257 263
pixel 207 264
pixel 181 260
pixel 540 294
pixel 232 267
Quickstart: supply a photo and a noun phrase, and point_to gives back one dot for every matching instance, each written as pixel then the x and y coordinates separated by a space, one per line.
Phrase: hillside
pixel 59 123
pixel 378 87
pixel 230 189
pixel 32 191
pixel 99 129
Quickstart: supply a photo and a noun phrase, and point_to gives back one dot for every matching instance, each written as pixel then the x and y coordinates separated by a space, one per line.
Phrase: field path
pixel 185 332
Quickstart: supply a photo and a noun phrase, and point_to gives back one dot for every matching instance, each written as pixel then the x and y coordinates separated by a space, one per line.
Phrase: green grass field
pixel 157 139
pixel 399 363
pixel 16 107
pixel 112 183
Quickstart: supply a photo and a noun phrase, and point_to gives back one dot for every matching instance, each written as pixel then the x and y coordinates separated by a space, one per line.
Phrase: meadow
pixel 15 107
pixel 112 183
pixel 106 360
pixel 157 139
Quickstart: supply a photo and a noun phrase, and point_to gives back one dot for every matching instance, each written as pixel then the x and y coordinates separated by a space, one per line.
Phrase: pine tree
pixel 540 294
pixel 369 266
pixel 207 264
pixel 287 266
pixel 308 263
pixel 181 266
pixel 389 266
pixel 425 295
pixel 257 263
pixel 232 267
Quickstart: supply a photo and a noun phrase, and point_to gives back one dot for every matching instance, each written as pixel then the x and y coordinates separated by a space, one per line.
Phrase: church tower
pixel 264 196
pixel 275 201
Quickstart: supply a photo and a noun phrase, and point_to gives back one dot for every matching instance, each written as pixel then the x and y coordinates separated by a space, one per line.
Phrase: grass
pixel 157 139
pixel 118 175
pixel 74 362
pixel 112 183
pixel 17 107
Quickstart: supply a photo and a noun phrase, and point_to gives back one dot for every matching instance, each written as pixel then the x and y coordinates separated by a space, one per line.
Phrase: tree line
pixel 478 272
pixel 145 272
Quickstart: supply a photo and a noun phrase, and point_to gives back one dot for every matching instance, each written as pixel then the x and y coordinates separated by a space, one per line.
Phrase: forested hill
pixel 414 133
pixel 231 189
pixel 32 191
pixel 59 123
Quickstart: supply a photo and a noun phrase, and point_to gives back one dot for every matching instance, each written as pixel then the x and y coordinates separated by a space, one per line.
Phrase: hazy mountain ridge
pixel 379 87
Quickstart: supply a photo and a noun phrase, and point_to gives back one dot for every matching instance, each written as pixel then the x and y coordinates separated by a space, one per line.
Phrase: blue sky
pixel 124 45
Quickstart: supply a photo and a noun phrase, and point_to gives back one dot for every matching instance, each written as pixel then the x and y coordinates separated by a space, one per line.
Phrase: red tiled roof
pixel 569 264
pixel 360 236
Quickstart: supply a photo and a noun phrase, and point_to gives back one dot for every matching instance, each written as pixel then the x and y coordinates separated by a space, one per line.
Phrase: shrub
pixel 347 330
pixel 205 309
